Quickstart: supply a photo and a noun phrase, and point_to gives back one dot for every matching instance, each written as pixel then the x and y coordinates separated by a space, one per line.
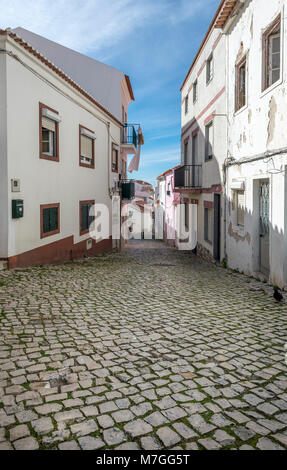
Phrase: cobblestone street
pixel 147 349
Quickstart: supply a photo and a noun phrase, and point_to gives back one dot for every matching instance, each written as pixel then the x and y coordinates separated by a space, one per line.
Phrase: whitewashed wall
pixel 43 181
pixel 256 128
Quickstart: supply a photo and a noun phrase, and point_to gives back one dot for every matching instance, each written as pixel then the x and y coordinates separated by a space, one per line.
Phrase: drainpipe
pixel 227 141
pixel 109 159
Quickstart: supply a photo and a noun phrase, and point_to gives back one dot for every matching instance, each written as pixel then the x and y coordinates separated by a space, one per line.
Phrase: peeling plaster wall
pixel 258 127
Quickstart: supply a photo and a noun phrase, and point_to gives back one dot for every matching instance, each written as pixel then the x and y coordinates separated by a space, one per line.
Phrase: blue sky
pixel 152 41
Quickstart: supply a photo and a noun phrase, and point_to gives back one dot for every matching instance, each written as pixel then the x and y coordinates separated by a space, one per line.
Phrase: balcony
pixel 129 137
pixel 128 189
pixel 188 176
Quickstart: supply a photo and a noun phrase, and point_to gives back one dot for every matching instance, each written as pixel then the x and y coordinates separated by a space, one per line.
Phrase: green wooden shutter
pixel 53 218
pixel 46 220
pixel 90 217
pixel 84 217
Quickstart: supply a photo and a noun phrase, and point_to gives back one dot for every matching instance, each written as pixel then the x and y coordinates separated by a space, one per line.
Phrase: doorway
pixel 216 229
pixel 264 226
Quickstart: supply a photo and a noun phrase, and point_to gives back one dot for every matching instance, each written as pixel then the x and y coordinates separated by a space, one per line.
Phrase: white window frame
pixel 51 141
pixel 209 68
pixel 238 223
pixel 269 32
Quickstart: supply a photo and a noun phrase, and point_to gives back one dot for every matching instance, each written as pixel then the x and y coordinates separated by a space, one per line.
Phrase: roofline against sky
pixel 129 85
pixel 63 75
pixel 203 42
pixel 168 171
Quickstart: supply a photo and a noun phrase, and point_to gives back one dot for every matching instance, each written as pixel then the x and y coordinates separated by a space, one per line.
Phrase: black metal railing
pixel 188 176
pixel 129 135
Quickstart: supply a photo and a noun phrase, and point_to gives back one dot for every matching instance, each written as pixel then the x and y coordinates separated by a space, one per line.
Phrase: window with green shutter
pixel 85 217
pixel 49 219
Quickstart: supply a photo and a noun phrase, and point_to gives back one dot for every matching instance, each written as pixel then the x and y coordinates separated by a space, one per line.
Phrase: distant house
pixel 64 145
pixel 169 201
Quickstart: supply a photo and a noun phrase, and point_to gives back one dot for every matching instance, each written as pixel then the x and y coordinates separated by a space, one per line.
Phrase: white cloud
pixel 84 26
pixel 93 25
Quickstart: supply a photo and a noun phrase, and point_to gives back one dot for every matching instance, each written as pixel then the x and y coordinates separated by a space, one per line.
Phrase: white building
pixel 63 148
pixel 256 183
pixel 203 142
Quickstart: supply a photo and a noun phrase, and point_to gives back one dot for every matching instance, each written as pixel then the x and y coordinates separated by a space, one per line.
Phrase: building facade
pixel 233 142
pixel 61 152
pixel 256 184
pixel 170 200
pixel 199 180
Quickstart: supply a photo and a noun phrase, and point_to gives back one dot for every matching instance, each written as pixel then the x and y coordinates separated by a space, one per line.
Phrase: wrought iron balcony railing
pixel 188 176
pixel 129 135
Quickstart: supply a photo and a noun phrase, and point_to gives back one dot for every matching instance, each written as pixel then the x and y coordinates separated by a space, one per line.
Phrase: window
pixel 209 141
pixel 272 54
pixel 87 147
pixel 240 208
pixel 195 149
pixel 186 105
pixel 209 68
pixel 85 217
pixel 208 225
pixel 50 219
pixel 49 133
pixel 185 155
pixel 240 99
pixel 195 91
pixel 115 157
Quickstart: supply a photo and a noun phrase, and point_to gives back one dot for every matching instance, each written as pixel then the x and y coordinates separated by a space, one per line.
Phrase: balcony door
pixel 194 161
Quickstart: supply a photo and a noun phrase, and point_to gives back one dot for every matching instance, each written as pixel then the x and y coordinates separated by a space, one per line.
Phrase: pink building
pixel 170 200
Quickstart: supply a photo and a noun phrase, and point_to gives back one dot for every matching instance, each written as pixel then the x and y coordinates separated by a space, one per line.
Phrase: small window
pixel 195 149
pixel 209 141
pixel 87 149
pixel 185 155
pixel 240 85
pixel 209 68
pixel 195 93
pixel 50 219
pixel 186 105
pixel 49 132
pixel 208 224
pixel 272 54
pixel 115 158
pixel 240 208
pixel 85 217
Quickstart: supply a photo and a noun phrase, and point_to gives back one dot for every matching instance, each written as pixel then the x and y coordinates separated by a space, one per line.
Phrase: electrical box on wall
pixel 89 244
pixel 17 208
pixel 15 185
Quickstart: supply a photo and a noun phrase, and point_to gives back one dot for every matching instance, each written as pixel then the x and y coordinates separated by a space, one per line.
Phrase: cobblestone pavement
pixel 150 349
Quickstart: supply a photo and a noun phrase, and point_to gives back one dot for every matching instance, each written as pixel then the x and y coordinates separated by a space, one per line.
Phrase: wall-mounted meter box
pixel 15 185
pixel 17 208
